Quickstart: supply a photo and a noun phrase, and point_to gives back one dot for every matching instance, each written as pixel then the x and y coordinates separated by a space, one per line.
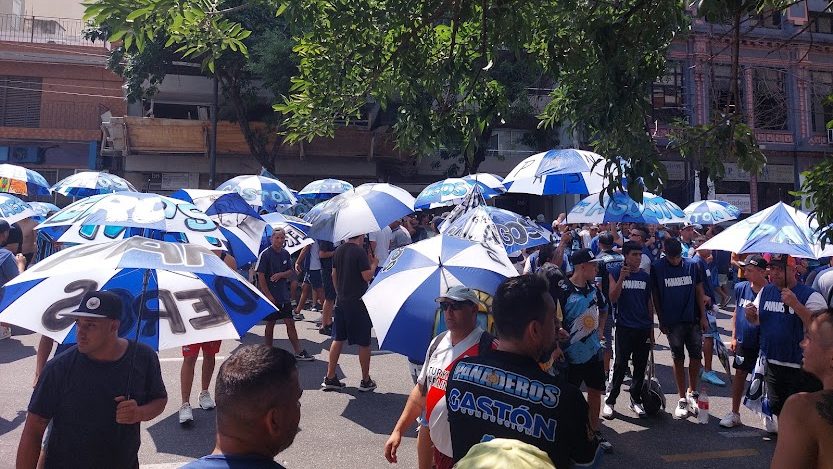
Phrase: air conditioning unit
pixel 830 136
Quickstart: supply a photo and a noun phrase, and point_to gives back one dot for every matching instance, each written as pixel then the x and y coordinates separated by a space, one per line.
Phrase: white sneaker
pixel 206 402
pixel 607 411
pixel 771 424
pixel 5 332
pixel 186 414
pixel 691 398
pixel 681 411
pixel 637 409
pixel 731 420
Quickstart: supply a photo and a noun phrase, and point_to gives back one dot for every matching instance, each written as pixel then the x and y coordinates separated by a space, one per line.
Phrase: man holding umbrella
pixel 82 394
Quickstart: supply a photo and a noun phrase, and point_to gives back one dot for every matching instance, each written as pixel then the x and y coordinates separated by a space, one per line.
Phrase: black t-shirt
pixel 15 237
pixel 349 262
pixel 274 262
pixel 78 395
pixel 504 395
pixel 611 260
pixel 326 262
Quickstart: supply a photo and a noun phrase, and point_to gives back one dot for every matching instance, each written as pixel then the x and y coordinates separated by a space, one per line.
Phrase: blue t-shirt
pixel 594 245
pixel 632 305
pixel 8 266
pixel 274 262
pixel 675 287
pixel 231 461
pixel 723 261
pixel 706 273
pixel 781 331
pixel 745 333
pixel 580 306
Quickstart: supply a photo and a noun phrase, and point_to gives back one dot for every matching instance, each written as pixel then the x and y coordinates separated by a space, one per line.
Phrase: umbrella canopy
pixel 261 192
pixel 19 180
pixel 401 298
pixel 451 191
pixel 42 209
pixel 295 229
pixel 324 189
pixel 491 185
pixel 711 212
pixel 87 183
pixel 192 296
pixel 654 210
pixel 13 209
pixel 105 217
pixel 473 200
pixel 555 172
pixel 779 229
pixel 365 209
pixel 498 227
pixel 237 220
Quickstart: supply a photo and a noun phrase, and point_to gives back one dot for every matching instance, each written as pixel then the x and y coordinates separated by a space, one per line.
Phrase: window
pixel 770 99
pixel 20 101
pixel 821 109
pixel 668 95
pixel 509 142
pixel 822 22
pixel 771 20
pixel 721 86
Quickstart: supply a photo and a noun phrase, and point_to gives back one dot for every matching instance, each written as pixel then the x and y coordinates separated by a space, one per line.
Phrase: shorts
pixel 351 322
pixel 784 381
pixel 329 288
pixel 722 279
pixel 313 277
pixel 688 336
pixel 208 348
pixel 590 373
pixel 284 312
pixel 745 358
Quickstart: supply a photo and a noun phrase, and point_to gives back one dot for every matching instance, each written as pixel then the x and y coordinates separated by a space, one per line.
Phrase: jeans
pixel 629 343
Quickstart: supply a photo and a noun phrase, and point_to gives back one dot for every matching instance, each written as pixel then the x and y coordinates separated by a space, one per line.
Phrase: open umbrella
pixel 13 209
pixel 491 184
pixel 262 193
pixel 295 229
pixel 237 220
pixel 22 181
pixel 498 227
pixel 401 298
pixel 324 189
pixel 473 200
pixel 87 183
pixel 555 172
pixel 451 191
pixel 106 217
pixel 365 209
pixel 653 210
pixel 42 209
pixel 711 212
pixel 191 296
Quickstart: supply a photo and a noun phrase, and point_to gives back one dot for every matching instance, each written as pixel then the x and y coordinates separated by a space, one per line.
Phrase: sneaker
pixel 771 425
pixel 711 378
pixel 691 397
pixel 681 411
pixel 367 385
pixel 607 411
pixel 186 415
pixel 637 408
pixel 5 332
pixel 298 317
pixel 731 420
pixel 603 443
pixel 303 356
pixel 326 330
pixel 316 309
pixel 330 384
pixel 206 402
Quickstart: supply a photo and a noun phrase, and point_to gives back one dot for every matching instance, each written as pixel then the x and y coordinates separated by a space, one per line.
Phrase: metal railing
pixel 43 30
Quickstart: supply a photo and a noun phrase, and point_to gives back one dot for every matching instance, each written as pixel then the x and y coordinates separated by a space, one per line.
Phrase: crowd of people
pixel 580 314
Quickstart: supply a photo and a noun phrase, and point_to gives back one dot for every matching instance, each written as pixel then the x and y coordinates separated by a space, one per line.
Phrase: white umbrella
pixel 553 172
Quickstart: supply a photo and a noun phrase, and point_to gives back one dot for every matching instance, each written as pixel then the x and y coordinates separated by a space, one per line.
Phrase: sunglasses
pixel 454 305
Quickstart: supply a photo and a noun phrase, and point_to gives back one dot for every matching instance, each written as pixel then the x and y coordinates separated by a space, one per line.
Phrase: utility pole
pixel 212 143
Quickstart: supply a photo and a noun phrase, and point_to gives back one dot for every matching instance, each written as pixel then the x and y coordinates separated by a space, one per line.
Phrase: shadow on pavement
pixel 373 410
pixel 9 425
pixel 14 350
pixel 194 440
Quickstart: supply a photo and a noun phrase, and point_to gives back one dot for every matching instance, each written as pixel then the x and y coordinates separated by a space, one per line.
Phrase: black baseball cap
pixel 582 256
pixel 98 304
pixel 755 260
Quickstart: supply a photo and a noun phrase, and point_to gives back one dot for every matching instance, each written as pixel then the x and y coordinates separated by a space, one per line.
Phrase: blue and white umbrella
pixel 491 185
pixel 261 192
pixel 42 210
pixel 779 229
pixel 401 298
pixel 105 217
pixel 324 189
pixel 295 228
pixel 13 209
pixel 498 227
pixel 556 172
pixel 451 191
pixel 365 209
pixel 87 183
pixel 192 296
pixel 22 181
pixel 711 212
pixel 237 220
pixel 654 210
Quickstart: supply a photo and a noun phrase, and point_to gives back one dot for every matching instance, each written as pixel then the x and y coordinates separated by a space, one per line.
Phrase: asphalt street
pixel 349 428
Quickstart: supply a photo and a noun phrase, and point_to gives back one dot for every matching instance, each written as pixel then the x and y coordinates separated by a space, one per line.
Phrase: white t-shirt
pixel 434 376
pixel 382 238
pixel 314 257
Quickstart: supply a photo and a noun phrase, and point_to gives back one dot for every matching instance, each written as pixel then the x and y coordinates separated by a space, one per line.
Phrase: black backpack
pixel 653 400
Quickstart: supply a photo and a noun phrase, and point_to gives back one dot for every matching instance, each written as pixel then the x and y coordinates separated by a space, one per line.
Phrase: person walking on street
pixel 81 394
pixel 353 269
pixel 10 266
pixel 326 252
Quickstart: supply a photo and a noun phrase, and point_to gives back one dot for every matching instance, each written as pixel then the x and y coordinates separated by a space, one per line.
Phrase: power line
pixel 60 92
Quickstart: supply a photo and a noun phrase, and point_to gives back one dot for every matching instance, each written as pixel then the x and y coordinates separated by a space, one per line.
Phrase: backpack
pixel 653 400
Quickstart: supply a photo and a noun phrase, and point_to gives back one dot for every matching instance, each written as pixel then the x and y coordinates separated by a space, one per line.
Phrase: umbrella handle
pixel 145 279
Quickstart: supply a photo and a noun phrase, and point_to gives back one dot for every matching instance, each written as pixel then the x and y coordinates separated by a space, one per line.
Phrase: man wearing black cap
pixel 82 393
pixel 745 341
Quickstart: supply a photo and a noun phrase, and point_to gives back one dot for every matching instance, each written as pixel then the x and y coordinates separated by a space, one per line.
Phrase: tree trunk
pixel 256 141
pixel 703 176
pixel 480 150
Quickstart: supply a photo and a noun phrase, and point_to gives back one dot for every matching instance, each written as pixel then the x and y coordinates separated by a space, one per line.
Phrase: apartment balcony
pixel 43 30
pixel 128 136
